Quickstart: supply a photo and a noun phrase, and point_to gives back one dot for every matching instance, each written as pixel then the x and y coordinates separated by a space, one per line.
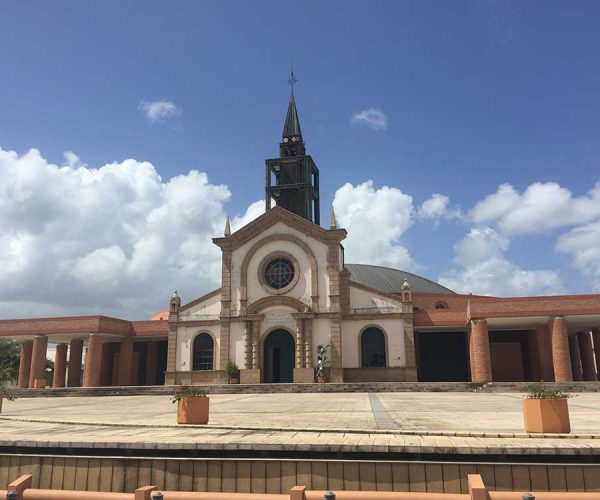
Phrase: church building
pixel 287 295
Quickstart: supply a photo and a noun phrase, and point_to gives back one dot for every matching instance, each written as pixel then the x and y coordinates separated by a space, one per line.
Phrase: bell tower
pixel 292 180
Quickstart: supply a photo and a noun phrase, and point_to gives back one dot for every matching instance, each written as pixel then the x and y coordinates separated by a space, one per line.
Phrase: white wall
pixel 351 330
pixel 185 345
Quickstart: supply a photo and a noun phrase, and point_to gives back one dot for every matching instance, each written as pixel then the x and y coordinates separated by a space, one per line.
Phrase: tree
pixel 10 353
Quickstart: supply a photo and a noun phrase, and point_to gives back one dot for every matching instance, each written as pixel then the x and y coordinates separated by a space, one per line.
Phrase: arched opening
pixel 372 348
pixel 203 352
pixel 279 351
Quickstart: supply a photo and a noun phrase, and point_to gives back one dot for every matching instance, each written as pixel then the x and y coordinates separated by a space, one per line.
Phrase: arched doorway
pixel 279 357
pixel 372 346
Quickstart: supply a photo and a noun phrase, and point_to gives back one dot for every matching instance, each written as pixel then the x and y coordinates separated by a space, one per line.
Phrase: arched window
pixel 203 352
pixel 441 305
pixel 372 347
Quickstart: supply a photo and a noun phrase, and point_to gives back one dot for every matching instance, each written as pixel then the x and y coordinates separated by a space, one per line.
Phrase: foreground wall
pixel 279 476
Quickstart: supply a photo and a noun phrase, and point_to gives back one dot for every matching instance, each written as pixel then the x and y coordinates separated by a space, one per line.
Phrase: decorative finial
pixel 292 80
pixel 405 285
pixel 332 224
pixel 175 302
pixel 227 228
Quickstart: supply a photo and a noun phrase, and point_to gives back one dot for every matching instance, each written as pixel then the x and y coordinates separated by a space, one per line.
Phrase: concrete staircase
pixel 308 388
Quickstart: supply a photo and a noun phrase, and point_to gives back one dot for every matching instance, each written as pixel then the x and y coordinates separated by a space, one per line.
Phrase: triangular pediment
pixel 272 217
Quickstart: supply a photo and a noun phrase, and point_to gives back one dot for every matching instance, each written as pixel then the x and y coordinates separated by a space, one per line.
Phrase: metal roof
pixel 387 279
pixel 291 128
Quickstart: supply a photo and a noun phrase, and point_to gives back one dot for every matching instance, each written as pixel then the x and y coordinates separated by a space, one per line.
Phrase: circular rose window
pixel 279 273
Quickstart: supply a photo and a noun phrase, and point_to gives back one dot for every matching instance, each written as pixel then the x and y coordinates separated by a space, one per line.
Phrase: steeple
pixel 291 128
pixel 292 180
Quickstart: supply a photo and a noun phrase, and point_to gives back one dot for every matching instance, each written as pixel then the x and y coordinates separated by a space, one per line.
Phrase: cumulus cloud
pixel 115 240
pixel 373 118
pixel 158 111
pixel 375 219
pixel 583 243
pixel 437 208
pixel 484 269
pixel 540 207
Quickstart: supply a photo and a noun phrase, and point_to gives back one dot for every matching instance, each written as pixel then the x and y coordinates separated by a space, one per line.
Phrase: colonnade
pixel 562 357
pixel 105 365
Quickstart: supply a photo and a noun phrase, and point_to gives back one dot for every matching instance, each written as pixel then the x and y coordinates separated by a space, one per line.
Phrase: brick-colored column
pixel 596 337
pixel 544 349
pixel 60 365
pixel 25 364
pixel 37 375
pixel 587 356
pixel 125 361
pixel 481 369
pixel 575 358
pixel 151 362
pixel 75 356
pixel 560 350
pixel 92 370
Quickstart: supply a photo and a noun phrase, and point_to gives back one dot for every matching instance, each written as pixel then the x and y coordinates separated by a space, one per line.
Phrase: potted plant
pixel 233 373
pixel 322 362
pixel 192 405
pixel 546 410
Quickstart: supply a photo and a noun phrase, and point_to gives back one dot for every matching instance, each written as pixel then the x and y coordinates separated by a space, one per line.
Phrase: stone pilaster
pixel 247 345
pixel 25 364
pixel 93 361
pixel 586 350
pixel 337 372
pixel 75 357
pixel 299 343
pixel 308 344
pixel 37 375
pixel 481 368
pixel 560 350
pixel 410 367
pixel 60 365
pixel 575 358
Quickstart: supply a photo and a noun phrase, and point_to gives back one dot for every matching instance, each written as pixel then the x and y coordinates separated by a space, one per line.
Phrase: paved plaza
pixel 404 422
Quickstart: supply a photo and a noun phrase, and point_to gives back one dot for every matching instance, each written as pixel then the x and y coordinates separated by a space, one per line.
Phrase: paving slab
pixel 402 422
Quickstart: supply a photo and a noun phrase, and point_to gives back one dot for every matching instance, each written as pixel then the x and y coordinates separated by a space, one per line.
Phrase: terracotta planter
pixel 546 415
pixel 233 380
pixel 320 380
pixel 192 410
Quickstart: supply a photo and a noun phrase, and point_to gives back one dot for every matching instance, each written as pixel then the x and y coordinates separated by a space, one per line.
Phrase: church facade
pixel 287 296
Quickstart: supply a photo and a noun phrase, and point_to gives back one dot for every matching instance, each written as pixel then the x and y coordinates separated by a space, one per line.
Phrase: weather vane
pixel 292 80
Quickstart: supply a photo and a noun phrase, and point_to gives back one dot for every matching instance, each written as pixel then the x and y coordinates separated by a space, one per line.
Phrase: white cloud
pixel 438 207
pixel 483 269
pixel 583 243
pixel 375 220
pixel 373 118
pixel 114 240
pixel 252 212
pixel 540 207
pixel 158 111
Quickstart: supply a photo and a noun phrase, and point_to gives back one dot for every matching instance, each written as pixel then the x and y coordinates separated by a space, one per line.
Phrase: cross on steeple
pixel 292 80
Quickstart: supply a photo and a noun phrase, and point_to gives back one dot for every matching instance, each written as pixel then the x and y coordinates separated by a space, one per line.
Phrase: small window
pixel 203 352
pixel 441 305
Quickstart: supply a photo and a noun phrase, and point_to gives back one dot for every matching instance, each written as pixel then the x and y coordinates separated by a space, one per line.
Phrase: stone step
pixel 309 388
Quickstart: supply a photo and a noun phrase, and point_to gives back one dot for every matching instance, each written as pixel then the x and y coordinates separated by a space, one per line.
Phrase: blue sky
pixel 475 95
